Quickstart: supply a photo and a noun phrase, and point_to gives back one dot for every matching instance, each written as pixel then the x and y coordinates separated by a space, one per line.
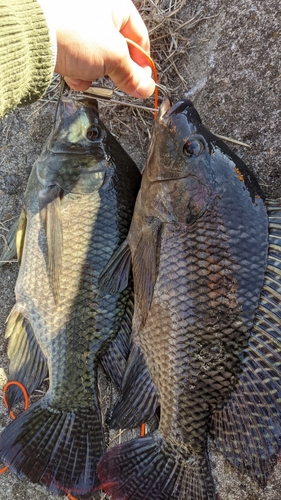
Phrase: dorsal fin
pixel 248 428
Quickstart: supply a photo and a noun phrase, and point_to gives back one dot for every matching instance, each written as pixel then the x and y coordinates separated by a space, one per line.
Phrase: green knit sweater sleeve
pixel 26 67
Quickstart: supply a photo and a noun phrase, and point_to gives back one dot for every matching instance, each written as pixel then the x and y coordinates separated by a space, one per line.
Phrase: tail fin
pixel 57 449
pixel 149 468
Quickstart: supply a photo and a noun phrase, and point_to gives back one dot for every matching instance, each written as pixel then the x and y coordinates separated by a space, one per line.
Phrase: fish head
pixel 75 156
pixel 178 147
pixel 188 167
pixel 177 172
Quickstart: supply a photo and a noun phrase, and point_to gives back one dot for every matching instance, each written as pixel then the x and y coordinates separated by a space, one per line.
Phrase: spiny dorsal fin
pixel 115 357
pixel 248 428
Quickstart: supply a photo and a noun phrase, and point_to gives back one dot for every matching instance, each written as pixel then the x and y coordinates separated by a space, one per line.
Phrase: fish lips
pixel 184 106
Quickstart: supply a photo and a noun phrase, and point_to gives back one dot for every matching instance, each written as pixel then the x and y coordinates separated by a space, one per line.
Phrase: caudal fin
pixel 149 468
pixel 57 449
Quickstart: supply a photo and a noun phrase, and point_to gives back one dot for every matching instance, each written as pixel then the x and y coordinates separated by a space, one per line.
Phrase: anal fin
pixel 28 364
pixel 115 358
pixel 139 397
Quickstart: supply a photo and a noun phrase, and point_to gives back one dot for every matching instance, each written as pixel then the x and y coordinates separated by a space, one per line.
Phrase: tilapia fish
pixel 205 250
pixel 77 210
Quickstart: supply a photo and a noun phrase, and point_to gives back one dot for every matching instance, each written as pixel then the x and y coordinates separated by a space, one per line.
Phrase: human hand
pixel 91 43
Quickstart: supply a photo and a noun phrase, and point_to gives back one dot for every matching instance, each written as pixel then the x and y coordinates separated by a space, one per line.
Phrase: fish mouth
pixel 166 109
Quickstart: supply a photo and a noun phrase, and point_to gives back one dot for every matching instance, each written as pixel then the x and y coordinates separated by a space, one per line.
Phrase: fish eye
pixel 93 133
pixel 193 148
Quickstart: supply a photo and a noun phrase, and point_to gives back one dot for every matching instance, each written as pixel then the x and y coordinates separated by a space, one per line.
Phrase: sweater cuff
pixel 25 53
pixel 48 13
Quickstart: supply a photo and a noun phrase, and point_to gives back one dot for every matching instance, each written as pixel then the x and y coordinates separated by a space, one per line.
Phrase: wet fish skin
pixel 77 209
pixel 199 250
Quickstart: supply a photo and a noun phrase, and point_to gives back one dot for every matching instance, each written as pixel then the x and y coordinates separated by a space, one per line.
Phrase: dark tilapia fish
pixel 77 211
pixel 206 259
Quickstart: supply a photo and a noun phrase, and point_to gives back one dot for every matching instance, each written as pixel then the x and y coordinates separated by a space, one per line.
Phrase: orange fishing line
pixel 142 430
pixel 14 382
pixel 153 69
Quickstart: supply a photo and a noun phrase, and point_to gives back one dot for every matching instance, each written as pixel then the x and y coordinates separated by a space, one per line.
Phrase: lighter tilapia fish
pixel 206 260
pixel 77 210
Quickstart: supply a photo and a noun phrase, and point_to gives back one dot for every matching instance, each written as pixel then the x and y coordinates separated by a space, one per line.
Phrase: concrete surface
pixel 233 75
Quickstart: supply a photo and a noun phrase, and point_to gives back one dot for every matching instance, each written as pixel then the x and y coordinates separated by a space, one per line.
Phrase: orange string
pixel 14 382
pixel 153 69
pixel 70 497
pixel 142 430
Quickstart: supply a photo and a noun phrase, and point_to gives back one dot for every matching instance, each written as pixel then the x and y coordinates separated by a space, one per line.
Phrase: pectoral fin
pixel 145 266
pixel 50 215
pixel 115 275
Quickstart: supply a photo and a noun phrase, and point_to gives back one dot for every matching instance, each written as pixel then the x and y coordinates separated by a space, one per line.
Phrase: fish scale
pixel 188 373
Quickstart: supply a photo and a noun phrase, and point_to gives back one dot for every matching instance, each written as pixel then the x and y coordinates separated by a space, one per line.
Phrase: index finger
pixel 134 28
